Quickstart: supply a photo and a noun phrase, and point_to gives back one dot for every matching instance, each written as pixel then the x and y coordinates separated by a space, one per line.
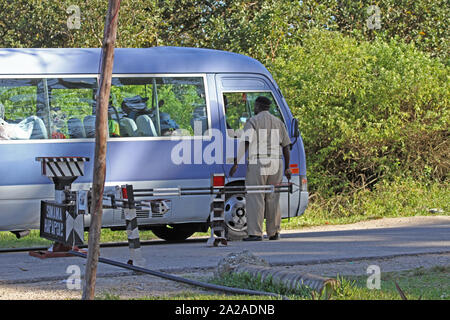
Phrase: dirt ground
pixel 128 285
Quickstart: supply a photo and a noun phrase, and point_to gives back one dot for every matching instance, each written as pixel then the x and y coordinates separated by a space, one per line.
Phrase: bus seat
pixel 39 129
pixel 128 127
pixel 75 128
pixel 89 126
pixel 145 127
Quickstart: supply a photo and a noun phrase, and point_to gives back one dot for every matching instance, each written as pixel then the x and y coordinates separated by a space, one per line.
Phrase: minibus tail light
pixel 124 193
pixel 218 180
pixel 294 168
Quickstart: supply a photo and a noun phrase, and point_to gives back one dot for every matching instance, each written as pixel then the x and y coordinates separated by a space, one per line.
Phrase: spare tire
pixel 235 217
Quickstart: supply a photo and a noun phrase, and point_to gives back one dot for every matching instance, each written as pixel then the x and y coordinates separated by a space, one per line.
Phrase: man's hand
pixel 233 169
pixel 287 173
pixel 287 156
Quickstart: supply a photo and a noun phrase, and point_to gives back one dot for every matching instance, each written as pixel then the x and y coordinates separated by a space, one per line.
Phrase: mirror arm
pixel 292 143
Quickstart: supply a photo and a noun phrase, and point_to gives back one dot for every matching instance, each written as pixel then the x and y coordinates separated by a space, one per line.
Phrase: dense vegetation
pixel 367 110
pixel 370 85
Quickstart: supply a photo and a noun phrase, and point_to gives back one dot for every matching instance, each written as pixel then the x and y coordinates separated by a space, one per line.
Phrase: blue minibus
pixel 172 113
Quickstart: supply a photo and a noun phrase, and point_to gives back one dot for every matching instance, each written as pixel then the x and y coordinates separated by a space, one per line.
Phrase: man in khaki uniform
pixel 265 137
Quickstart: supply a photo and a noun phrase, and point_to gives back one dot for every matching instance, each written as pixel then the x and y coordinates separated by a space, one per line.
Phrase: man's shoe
pixel 253 238
pixel 276 236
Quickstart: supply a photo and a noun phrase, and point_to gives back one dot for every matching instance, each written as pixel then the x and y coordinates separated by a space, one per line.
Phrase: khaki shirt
pixel 267 135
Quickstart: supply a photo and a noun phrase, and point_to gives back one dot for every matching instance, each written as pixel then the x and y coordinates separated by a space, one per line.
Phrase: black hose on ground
pixel 205 285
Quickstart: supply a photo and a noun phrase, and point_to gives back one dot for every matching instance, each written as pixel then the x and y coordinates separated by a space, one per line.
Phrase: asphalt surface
pixel 295 247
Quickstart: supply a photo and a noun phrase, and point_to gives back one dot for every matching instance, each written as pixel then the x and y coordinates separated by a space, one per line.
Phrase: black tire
pixel 174 232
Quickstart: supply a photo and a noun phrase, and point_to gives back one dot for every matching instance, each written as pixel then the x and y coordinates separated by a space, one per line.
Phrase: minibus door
pixel 236 97
pixel 235 94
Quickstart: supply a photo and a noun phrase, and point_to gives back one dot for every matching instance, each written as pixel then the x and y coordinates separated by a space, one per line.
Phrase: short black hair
pixel 263 102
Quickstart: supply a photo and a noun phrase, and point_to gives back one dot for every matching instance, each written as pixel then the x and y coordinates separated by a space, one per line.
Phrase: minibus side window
pixel 159 106
pixel 48 108
pixel 64 108
pixel 239 107
pixel 17 99
pixel 72 107
pixel 19 116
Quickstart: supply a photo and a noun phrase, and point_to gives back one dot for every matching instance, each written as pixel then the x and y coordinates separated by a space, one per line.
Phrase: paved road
pixel 295 247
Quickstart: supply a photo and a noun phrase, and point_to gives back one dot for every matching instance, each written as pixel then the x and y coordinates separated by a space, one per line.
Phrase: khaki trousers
pixel 263 205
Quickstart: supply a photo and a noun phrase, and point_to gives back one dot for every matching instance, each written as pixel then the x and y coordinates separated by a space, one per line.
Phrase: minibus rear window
pixel 46 108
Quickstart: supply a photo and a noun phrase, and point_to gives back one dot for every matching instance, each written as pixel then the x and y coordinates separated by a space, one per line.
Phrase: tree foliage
pixel 371 95
pixel 422 22
pixel 367 110
pixel 257 28
pixel 44 23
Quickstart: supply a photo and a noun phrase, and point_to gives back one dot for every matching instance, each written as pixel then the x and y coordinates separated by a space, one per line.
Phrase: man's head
pixel 262 104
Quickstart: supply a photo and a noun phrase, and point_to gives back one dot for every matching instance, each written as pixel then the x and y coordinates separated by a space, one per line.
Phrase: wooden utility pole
pixel 101 134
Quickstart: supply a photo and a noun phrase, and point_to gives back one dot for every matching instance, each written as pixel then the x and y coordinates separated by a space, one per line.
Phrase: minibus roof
pixel 155 60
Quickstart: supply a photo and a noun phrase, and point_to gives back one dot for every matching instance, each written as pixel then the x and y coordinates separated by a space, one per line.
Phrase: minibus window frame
pixel 203 76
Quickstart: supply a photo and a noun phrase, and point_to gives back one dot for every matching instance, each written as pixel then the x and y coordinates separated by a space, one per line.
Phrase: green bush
pixel 422 22
pixel 401 197
pixel 367 110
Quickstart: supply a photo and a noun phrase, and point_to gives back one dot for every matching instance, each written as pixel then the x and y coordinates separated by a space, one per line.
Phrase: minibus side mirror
pixel 295 132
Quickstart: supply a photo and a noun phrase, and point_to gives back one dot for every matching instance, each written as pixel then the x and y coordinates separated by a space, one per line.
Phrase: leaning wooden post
pixel 101 134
